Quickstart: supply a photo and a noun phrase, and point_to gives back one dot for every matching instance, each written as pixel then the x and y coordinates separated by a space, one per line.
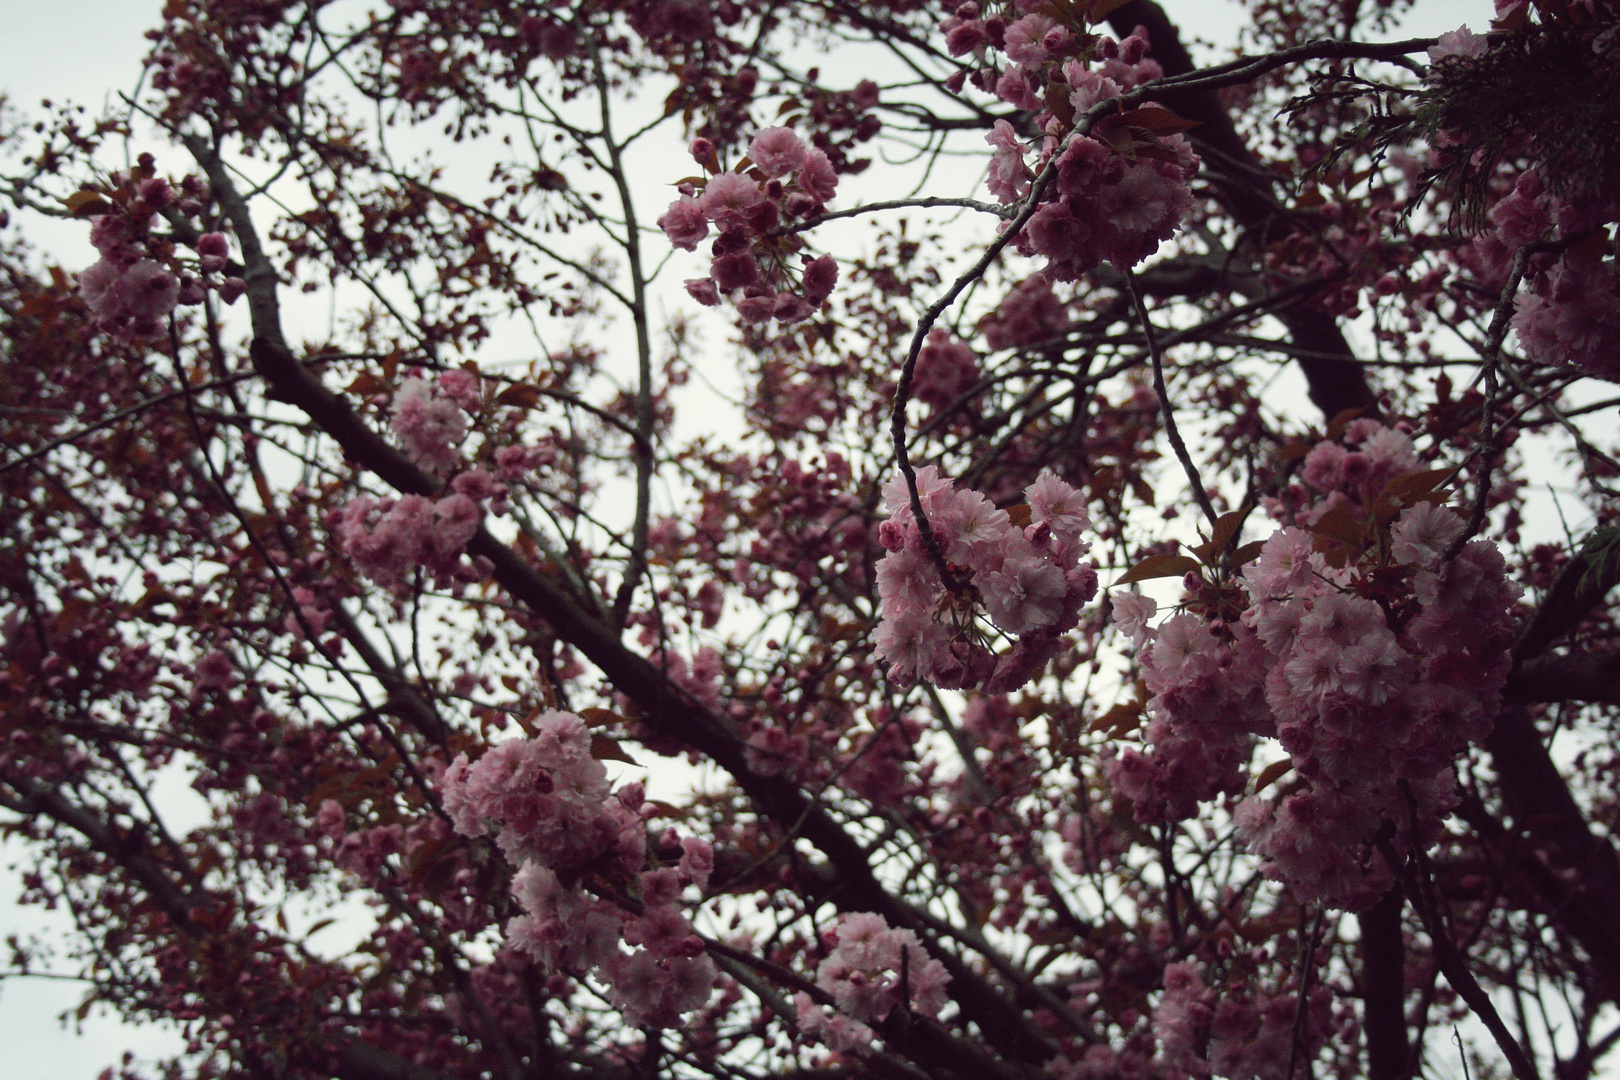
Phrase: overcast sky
pixel 85 51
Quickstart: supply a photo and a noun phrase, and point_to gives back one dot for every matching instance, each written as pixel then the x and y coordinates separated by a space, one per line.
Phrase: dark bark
pixel 1592 677
pixel 1246 189
pixel 664 707
pixel 1540 804
pixel 1383 989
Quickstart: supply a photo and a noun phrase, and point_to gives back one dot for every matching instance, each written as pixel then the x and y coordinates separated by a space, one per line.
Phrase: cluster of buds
pixel 142 274
pixel 752 207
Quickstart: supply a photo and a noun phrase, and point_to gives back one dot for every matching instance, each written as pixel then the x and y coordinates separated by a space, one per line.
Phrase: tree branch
pixel 1246 192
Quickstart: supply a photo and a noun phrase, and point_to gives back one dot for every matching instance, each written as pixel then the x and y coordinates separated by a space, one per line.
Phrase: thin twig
pixel 1170 428
pixel 1487 433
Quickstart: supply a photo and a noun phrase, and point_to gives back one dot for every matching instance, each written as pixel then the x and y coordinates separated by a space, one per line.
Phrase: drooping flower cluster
pixel 1372 661
pixel 139 278
pixel 1122 187
pixel 1571 315
pixel 548 803
pixel 788 181
pixel 1028 579
pixel 871 971
pixel 1238 1033
pixel 1570 312
pixel 388 538
pixel 1107 206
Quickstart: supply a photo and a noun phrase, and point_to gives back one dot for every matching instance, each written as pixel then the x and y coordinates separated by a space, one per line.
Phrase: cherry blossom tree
pixel 1024 680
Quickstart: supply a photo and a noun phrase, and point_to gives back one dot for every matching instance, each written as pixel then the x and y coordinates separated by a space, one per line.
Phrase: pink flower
pixel 1284 565
pixel 777 151
pixel 697 861
pixel 1184 650
pixel 736 272
pixel 684 223
pixel 728 200
pixel 1014 88
pixel 1026 593
pixel 1461 42
pixel 1009 177
pixel 820 275
pixel 703 290
pixel 1132 611
pixel 911 643
pixel 129 302
pixel 1026 39
pixel 816 177
pixel 429 426
pixel 1058 504
pixel 1422 534
pixel 946 370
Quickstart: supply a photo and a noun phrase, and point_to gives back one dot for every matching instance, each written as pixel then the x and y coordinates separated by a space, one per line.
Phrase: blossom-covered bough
pixel 1026 683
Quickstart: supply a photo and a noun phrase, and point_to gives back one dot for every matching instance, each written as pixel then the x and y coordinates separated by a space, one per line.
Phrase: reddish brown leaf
pixel 1158 566
pixel 604 748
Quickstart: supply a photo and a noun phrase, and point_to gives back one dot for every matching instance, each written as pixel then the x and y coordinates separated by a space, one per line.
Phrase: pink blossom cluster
pixel 138 281
pixel 430 424
pixel 1346 249
pixel 1108 207
pixel 1569 314
pixel 788 181
pixel 1240 1035
pixel 390 538
pixel 947 371
pixel 548 802
pixel 1208 705
pixel 1372 675
pixel 1354 469
pixel 1029 581
pixel 128 300
pixel 871 971
pixel 1122 188
pixel 1373 704
pixel 1029 314
pixel 806 521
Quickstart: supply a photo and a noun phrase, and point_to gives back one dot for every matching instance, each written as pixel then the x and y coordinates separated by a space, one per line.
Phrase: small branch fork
pixel 1487 432
pixel 1229 74
pixel 1419 885
pixel 1490 356
pixel 1187 464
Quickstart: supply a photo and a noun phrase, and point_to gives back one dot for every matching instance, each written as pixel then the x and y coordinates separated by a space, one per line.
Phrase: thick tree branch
pixel 1582 676
pixel 665 707
pixel 1245 188
pixel 1539 801
pixel 37 798
pixel 1383 989
pixel 1580 586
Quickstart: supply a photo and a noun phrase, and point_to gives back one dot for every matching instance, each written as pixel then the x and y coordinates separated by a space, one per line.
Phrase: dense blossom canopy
pixel 572 539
